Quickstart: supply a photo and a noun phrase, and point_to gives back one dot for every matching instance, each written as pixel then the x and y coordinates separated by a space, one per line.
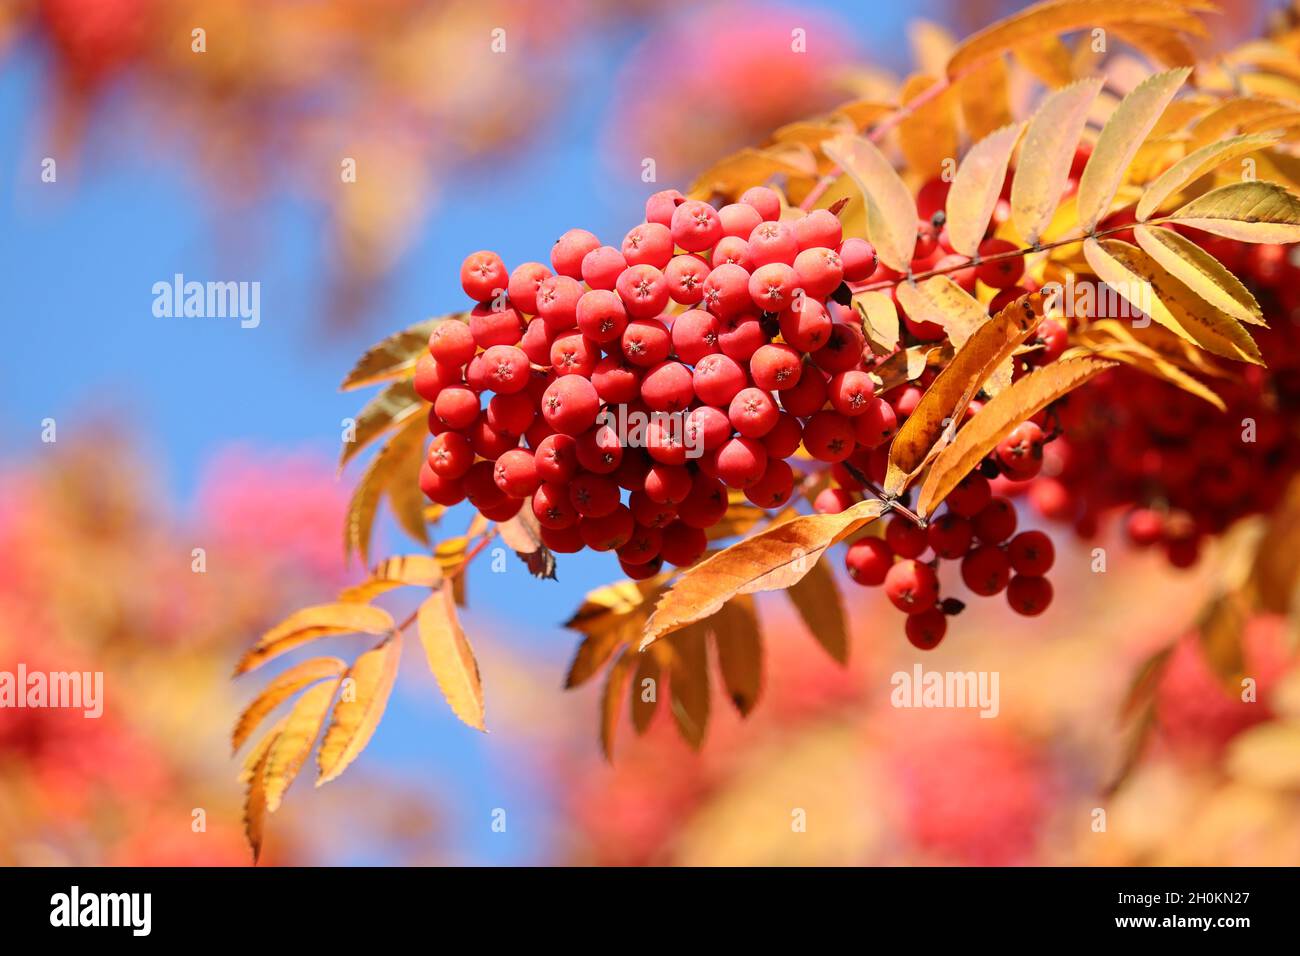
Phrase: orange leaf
pixel 977 186
pixel 451 658
pixel 294 742
pixel 1003 412
pixel 646 688
pixel 774 558
pixel 311 623
pixel 740 651
pixel 817 599
pixel 280 690
pixel 360 706
pixel 611 701
pixel 690 683
pixel 255 807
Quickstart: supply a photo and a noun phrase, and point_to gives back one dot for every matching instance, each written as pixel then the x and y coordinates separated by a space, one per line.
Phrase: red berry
pixel 450 455
pixel 876 424
pixel 717 379
pixel 569 251
pixel 739 219
pixel 843 349
pixel 1032 553
pixel 642 546
pixel 557 458
pixel 868 561
pixel 439 490
pixel 694 335
pixel 740 336
pixel 648 244
pixel 986 570
pixel 668 484
pixel 537 340
pixel 706 504
pixel 828 436
pixel 806 325
pixel 771 287
pixel 726 291
pixel 732 250
pixel 563 540
pixel 650 513
pixel 457 406
pixel 932 197
pixel 905 538
pixel 706 428
pixel 665 438
pixel 772 242
pixel 821 227
pixel 765 200
pixel 818 271
pixel 741 462
pixel 784 438
pixel 950 535
pixel 858 258
pixel 644 291
pixel 1029 595
pixel 925 630
pixel 483 276
pixel 516 473
pixel 660 207
pixel 601 267
pixel 572 353
pixel 959 270
pixel 685 276
pixel 641 572
pixel 599 450
pixel 752 412
pixel 970 496
pixel 557 302
pixel 524 283
pixel 1000 273
pixel 490 325
pixel 607 532
pixel 911 586
pixel 452 343
pixel 681 544
pixel 489 443
pixel 832 501
pixel 646 342
pixel 996 521
pixel 852 393
pixel 1144 527
pixel 775 367
pixel 775 486
pixel 481 486
pixel 569 404
pixel 1054 339
pixel 600 315
pixel 506 368
pixel 432 376
pixel 1021 452
pixel 696 226
pixel 593 496
pixel 668 387
pixel 552 507
pixel 808 394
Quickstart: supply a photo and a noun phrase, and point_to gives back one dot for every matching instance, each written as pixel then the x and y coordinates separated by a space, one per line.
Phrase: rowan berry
pixel 507 370
pixel 668 484
pixel 599 450
pixel 557 458
pixel 741 462
pixel 808 394
pixel 706 504
pixel 570 404
pixel 925 630
pixel 784 438
pixel 774 488
pixel 680 544
pixel 593 495
pixel 1031 553
pixel 552 507
pixel 557 302
pixel 740 336
pixel 904 538
pixel 1021 452
pixel 450 455
pixel 452 343
pixel 616 383
pixel 537 340
pixel 868 560
pixel 650 513
pixel 753 413
pixel 832 501
pixel 986 569
pixel 685 276
pixel 1144 526
pixel 732 250
pixel 432 376
pixel 821 227
pixel 843 349
pixel 876 424
pixel 775 367
pixel 828 436
pixel 483 275
pixel 487 442
pixel 641 572
pixel 766 201
pixel 601 267
pixel 668 387
pixel 566 540
pixel 642 546
pixel 950 535
pixel 569 251
pixel 524 283
pixel 1000 273
pixel 1029 595
pixel 572 353
pixel 852 393
pixel 696 226
pixel 440 490
pixel 644 291
pixel 771 287
pixel 600 315
pixel 739 219
pixel 632 470
pixel 457 406
pixel 665 438
pixel 726 291
pixel 911 586
pixel 772 242
pixel 858 259
pixel 818 271
pixel 660 207
pixel 648 244
pixel 717 379
pixel 516 473
pixel 489 325
pixel 705 429
pixel 970 496
pixel 995 522
pixel 481 487
pixel 646 342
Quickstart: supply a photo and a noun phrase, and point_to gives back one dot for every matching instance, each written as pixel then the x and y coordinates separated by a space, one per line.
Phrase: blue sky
pixel 81 257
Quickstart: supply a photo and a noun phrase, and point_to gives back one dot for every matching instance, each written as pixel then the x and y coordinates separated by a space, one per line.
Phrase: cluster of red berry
pixel 646 380
pixel 1178 469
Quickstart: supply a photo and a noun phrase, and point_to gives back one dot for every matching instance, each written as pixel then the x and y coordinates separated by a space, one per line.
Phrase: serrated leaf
pixel 451 658
pixel 1141 280
pixel 404 495
pixel 927 134
pixel 311 623
pixel 1056 17
pixel 594 650
pixel 772 559
pixel 1194 165
pixel 395 355
pixel 995 420
pixel 879 318
pixel 1118 143
pixel 1247 212
pixel 648 668
pixel 1235 114
pixel 416 570
pixel 817 599
pixel 393 405
pixel 907 365
pixel 359 708
pixel 891 210
pixel 253 759
pixel 1200 272
pixel 740 652
pixel 944 403
pixel 689 684
pixel 611 700
pixel 281 689
pixel 255 806
pixel 976 188
pixel 523 535
pixel 294 742
pixel 1045 157
pixel 940 300
pixel 985 99
pixel 360 518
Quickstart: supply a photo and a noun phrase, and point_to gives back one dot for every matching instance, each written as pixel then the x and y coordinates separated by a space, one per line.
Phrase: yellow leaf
pixel 891 210
pixel 944 403
pixel 985 99
pixel 817 599
pixel 690 683
pixel 451 659
pixel 255 807
pixel 416 570
pixel 927 134
pixel 1055 17
pixel 879 320
pixel 945 303
pixel 772 559
pixel 1236 114
pixel 395 355
pixel 404 495
pixel 360 706
pixel 907 365
pixel 1118 143
pixel 611 700
pixel 977 186
pixel 1140 357
pixel 740 651
pixel 862 113
pixel 1141 280
pixel 1049 60
pixel 310 623
pixel 645 697
pixel 360 518
pixel 1200 272
pixel 388 409
pixel 1004 412
pixel 294 742
pixel 1194 165
pixel 281 689
pixel 1247 212
pixel 523 535
pixel 752 167
pixel 1045 157
pixel 253 759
